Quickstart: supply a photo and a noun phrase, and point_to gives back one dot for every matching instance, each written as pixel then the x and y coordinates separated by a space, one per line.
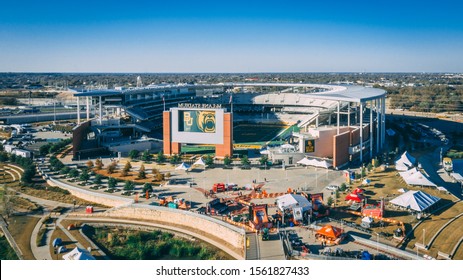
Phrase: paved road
pixel 431 164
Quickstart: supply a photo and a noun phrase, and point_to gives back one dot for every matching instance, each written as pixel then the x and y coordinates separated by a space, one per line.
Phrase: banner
pixel 196 121
pixel 309 146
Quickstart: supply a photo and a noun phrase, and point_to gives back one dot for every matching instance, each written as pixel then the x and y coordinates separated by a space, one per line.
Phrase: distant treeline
pixel 435 98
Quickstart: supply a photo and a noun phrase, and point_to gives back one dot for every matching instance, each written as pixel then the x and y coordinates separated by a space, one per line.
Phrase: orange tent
pixel 330 232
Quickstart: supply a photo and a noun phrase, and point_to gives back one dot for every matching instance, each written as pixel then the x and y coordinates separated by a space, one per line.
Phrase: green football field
pixel 256 133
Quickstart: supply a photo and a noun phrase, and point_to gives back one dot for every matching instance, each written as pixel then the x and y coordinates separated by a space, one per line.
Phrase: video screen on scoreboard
pixel 196 121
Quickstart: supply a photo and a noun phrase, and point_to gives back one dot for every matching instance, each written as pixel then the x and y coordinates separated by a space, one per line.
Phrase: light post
pixel 424 244
pixel 377 244
pixel 282 213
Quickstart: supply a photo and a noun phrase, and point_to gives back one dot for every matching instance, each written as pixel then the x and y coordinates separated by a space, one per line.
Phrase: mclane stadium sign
pixel 199 106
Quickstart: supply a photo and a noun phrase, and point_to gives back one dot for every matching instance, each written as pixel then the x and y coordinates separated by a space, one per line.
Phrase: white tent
pixel 182 166
pixel 78 254
pixel 415 177
pixel 415 200
pixel 288 201
pixel 315 162
pixel 200 161
pixel 366 182
pixel 304 161
pixel 408 173
pixel 405 162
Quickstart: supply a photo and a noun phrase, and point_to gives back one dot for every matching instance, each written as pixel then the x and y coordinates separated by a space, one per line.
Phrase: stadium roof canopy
pixel 330 92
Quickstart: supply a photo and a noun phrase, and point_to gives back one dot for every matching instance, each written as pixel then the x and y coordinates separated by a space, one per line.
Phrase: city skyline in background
pixel 207 36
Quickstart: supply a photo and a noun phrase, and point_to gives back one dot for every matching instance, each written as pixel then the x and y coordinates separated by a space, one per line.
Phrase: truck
pixel 221 187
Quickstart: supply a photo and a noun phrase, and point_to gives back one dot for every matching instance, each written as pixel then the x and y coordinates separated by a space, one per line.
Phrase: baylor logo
pixel 206 121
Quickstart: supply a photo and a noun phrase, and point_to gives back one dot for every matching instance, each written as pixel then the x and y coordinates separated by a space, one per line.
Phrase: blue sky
pixel 235 36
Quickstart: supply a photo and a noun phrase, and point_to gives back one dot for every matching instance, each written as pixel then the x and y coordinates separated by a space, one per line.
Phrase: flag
pixel 231 98
pixel 163 100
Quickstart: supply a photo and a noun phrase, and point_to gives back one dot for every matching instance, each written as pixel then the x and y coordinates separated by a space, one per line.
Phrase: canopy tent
pixel 356 195
pixel 304 161
pixel 78 254
pixel 289 201
pixel 315 162
pixel 182 166
pixel 330 231
pixel 415 200
pixel 409 173
pixel 200 161
pixel 367 220
pixel 415 177
pixel 366 182
pixel 57 242
pixel 405 162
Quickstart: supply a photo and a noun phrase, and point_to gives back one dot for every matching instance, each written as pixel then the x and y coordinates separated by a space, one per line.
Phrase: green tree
pixel 28 174
pixel 112 183
pixel 160 157
pixel 147 187
pixel 98 179
pixel 133 154
pixel 330 201
pixel 227 160
pixel 3 157
pixel 74 173
pixel 146 156
pixel 129 186
pixel 141 172
pixel 369 166
pixel 174 159
pixel 84 176
pixel 363 171
pixel 245 161
pixel 209 161
pixel 43 150
pixel 263 160
pixel 65 170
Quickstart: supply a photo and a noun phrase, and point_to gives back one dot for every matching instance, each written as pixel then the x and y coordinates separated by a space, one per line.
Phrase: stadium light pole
pixel 377 244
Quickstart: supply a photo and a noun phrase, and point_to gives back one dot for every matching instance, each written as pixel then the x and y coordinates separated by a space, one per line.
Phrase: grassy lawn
pixel 6 252
pixel 21 228
pixel 128 244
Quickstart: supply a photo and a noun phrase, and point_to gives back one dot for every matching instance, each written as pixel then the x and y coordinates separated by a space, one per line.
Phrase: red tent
pixel 356 195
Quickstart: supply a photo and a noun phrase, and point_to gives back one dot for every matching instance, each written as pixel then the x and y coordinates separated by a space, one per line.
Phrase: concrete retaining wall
pixel 108 200
pixel 222 233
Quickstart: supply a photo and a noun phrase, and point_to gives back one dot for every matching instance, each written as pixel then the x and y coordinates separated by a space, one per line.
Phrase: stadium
pixel 290 121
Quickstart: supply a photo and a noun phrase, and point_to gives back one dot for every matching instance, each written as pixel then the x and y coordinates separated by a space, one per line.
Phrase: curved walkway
pixel 441 229
pixel 41 252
